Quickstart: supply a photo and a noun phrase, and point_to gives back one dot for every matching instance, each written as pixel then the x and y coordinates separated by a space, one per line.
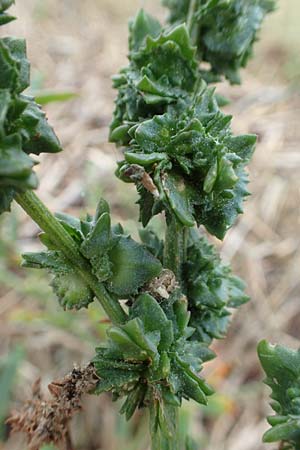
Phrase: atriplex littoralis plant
pixel 179 151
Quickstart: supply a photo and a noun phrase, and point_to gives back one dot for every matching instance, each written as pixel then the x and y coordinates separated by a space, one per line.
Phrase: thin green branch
pixel 36 209
pixel 175 247
pixel 190 16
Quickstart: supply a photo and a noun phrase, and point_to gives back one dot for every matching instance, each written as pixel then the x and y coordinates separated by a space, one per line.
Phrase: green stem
pixel 36 209
pixel 189 21
pixel 164 426
pixel 175 247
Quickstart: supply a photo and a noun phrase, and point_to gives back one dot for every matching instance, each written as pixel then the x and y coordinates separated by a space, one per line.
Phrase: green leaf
pixel 116 259
pixel 218 214
pixel 16 166
pixel 38 136
pixel 142 26
pixel 179 197
pixel 211 178
pixel 136 330
pixel 115 379
pixel 5 98
pixel 282 368
pixel 182 314
pixel 283 431
pixel 153 317
pixel 46 97
pixel 154 135
pixel 144 159
pixel 102 207
pixel 152 242
pixel 14 66
pixel 132 401
pixel 74 226
pixel 6 198
pixel 127 346
pixel 71 290
pixel 5 18
pixel 96 246
pixel 119 133
pixel 242 145
pixel 4 5
pixel 45 260
pixel 171 50
pixel 132 267
pixel 98 241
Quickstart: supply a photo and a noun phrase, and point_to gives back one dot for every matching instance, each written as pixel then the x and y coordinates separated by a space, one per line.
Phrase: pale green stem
pixel 175 247
pixel 190 16
pixel 36 209
pixel 164 427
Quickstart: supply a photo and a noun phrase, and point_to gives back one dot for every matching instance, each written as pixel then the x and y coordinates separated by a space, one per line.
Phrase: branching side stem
pixel 192 9
pixel 41 215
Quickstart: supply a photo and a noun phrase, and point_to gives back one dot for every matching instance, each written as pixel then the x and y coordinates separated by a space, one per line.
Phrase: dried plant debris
pixel 45 420
pixel 163 286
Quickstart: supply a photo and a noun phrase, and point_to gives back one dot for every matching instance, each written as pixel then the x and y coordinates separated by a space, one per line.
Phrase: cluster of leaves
pixel 116 260
pixel 23 126
pixel 212 290
pixel 180 150
pixel 155 358
pixel 224 32
pixel 153 362
pixel 162 71
pixel 282 368
pixel 196 164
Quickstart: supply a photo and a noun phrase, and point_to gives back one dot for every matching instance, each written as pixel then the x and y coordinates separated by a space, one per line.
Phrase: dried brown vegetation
pixel 46 420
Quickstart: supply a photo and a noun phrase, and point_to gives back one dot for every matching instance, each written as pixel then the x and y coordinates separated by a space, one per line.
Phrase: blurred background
pixel 74 47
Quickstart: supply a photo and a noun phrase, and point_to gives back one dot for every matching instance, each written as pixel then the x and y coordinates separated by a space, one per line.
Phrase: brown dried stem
pixel 46 421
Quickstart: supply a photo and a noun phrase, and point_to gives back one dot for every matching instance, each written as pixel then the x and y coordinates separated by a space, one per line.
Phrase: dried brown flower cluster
pixel 45 420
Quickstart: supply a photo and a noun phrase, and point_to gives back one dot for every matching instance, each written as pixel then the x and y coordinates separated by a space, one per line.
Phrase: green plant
pixel 186 163
pixel 282 368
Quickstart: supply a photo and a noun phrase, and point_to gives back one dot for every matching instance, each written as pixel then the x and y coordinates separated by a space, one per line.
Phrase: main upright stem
pixel 190 19
pixel 175 247
pixel 174 257
pixel 36 209
pixel 164 433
